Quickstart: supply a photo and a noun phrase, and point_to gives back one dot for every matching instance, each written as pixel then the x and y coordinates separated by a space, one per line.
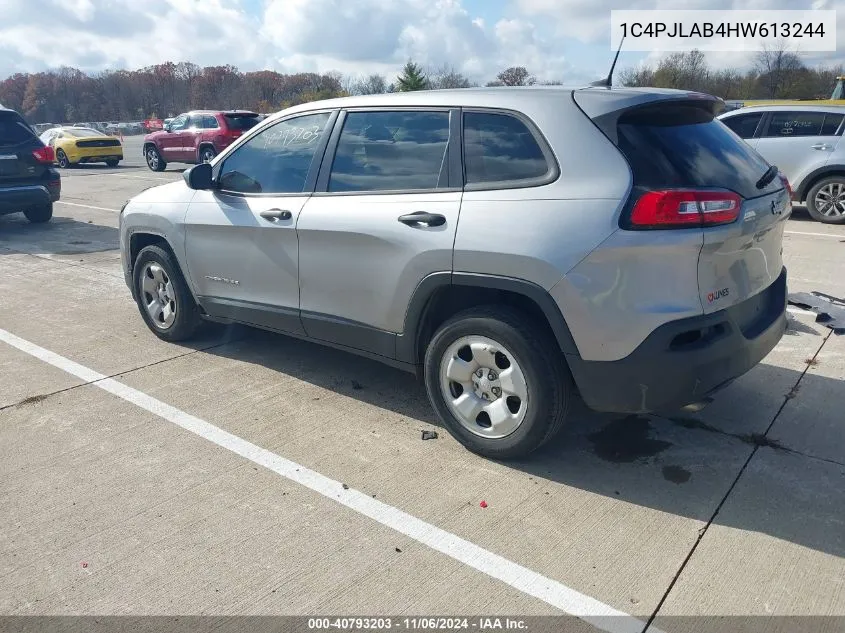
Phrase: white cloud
pixel 554 39
pixel 351 36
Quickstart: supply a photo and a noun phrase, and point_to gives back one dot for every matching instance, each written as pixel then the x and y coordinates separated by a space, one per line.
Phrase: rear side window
pixel 242 122
pixel 795 124
pixel 831 124
pixel 499 148
pixel 391 151
pixel 209 122
pixel 744 125
pixel 675 146
pixel 13 129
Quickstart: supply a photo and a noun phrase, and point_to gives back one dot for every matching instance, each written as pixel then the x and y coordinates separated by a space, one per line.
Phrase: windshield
pixel 82 132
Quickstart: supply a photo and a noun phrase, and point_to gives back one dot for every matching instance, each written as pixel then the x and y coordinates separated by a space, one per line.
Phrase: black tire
pixel 62 160
pixel 207 153
pixel 112 163
pixel 187 320
pixel 154 160
pixel 38 215
pixel 815 212
pixel 549 383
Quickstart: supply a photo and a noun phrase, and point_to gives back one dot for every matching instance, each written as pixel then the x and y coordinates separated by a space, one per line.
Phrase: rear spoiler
pixel 605 107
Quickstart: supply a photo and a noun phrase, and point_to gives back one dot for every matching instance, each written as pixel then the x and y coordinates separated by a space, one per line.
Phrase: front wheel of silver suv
pixel 497 381
pixel 163 296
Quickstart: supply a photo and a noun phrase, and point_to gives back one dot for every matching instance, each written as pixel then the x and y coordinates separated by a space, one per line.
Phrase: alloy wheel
pixel 830 200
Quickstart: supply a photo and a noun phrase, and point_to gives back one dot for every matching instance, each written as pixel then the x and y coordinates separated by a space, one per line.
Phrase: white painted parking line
pixel 525 580
pixel 814 234
pixel 138 177
pixel 86 206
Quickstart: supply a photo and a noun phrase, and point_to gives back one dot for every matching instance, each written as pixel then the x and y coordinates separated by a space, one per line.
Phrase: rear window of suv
pixel 13 129
pixel 241 121
pixel 673 146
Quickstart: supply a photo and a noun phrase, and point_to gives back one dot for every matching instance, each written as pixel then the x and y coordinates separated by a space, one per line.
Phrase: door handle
pixel 421 217
pixel 822 146
pixel 276 214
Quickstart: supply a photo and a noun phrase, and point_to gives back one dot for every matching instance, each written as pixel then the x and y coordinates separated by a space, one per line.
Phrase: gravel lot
pixel 252 474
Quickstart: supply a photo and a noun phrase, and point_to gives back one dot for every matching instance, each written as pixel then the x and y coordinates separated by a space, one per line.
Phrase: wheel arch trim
pixel 811 179
pixel 407 344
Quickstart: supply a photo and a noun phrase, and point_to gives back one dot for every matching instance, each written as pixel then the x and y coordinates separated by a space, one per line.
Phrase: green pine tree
pixel 412 78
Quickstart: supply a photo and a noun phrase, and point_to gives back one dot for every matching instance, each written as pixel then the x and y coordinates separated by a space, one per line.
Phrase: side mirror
pixel 199 177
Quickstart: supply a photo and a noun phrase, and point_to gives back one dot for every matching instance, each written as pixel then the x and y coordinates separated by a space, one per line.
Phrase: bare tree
pixel 446 76
pixel 778 68
pixel 370 85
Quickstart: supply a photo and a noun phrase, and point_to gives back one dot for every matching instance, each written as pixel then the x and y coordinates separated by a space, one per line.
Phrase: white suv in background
pixel 804 141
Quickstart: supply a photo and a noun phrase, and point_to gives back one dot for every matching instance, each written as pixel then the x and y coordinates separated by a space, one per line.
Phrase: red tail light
pixel 44 155
pixel 786 184
pixel 678 208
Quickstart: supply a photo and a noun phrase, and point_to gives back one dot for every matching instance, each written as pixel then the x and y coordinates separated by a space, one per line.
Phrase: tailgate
pixel 677 148
pixel 742 259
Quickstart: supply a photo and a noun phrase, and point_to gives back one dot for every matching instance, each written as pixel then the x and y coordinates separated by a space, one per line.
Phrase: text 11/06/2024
pixel 481 624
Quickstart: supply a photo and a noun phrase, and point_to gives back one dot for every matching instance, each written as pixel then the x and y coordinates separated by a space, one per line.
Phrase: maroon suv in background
pixel 196 137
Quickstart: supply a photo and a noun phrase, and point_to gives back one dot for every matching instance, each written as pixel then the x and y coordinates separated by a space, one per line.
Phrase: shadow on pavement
pixel 59 236
pixel 680 465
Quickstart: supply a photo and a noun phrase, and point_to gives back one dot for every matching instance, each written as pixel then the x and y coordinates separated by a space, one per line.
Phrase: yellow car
pixel 75 145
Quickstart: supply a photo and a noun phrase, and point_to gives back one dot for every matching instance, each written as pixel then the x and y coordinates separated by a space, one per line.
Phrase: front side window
pixel 277 159
pixel 744 125
pixel 499 148
pixel 786 124
pixel 391 151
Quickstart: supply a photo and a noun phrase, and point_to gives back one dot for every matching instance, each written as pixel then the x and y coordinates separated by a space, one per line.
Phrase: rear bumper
pixel 684 361
pixel 95 155
pixel 20 197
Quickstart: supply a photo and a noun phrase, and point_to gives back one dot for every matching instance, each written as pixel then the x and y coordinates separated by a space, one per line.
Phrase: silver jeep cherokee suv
pixel 515 247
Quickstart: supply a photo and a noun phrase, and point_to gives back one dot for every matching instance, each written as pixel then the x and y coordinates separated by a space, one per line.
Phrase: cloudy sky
pixel 566 40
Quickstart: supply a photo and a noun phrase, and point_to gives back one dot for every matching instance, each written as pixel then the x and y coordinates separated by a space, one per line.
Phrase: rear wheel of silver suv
pixel 162 295
pixel 497 381
pixel 826 200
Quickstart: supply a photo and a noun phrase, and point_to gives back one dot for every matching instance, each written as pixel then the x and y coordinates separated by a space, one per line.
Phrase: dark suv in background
pixel 28 180
pixel 196 137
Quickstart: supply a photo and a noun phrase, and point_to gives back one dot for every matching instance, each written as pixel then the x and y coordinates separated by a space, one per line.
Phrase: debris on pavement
pixel 345 486
pixel 483 504
pixel 830 311
pixel 429 435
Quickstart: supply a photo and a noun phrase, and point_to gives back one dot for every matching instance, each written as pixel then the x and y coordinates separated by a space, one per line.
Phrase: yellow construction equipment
pixel 836 98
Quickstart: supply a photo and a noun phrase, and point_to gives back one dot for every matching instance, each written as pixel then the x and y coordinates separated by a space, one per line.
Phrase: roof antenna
pixel 607 82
